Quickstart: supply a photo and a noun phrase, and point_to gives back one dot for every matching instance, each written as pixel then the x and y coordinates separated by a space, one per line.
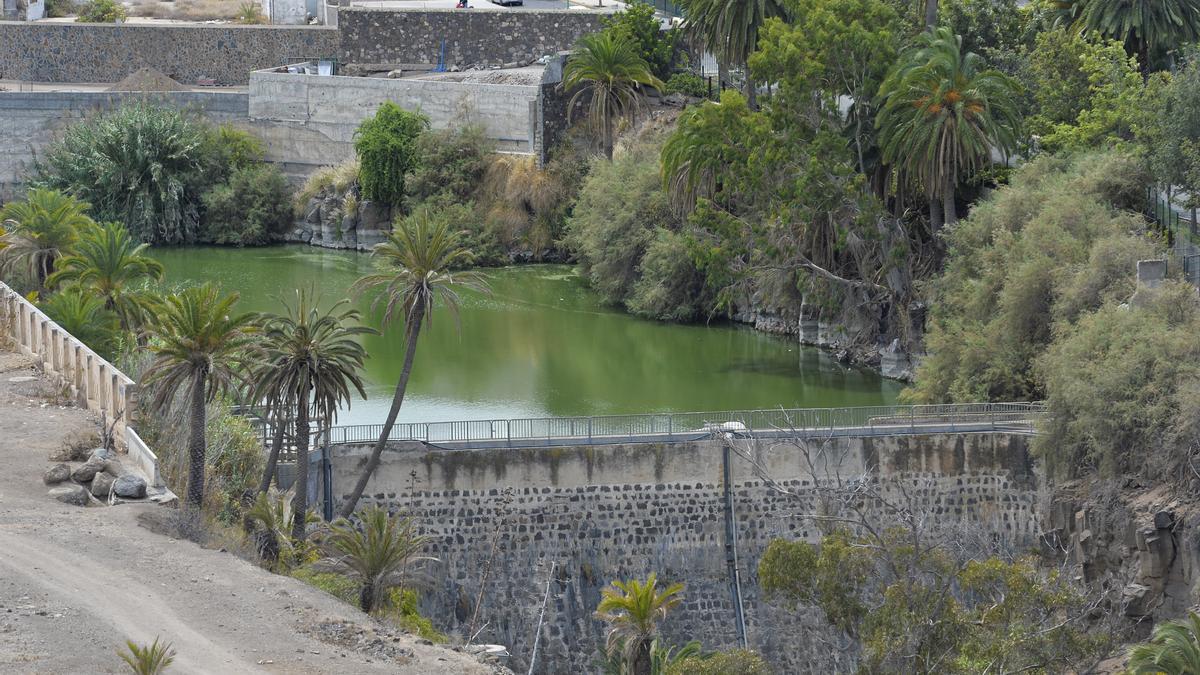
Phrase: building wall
pixel 69 52
pixel 582 517
pixel 479 36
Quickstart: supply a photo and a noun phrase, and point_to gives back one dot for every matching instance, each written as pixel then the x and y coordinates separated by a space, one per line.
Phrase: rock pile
pixel 330 220
pixel 101 479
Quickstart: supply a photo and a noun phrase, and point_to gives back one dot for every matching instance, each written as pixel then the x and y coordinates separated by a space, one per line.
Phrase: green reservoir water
pixel 542 345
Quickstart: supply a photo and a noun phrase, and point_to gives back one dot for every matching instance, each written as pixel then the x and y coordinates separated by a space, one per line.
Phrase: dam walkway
pixel 890 420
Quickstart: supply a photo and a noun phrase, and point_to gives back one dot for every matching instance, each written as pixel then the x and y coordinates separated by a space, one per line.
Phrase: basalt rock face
pixel 338 220
pixel 1145 541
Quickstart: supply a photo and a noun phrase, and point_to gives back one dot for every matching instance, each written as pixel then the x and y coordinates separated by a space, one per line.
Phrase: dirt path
pixel 75 583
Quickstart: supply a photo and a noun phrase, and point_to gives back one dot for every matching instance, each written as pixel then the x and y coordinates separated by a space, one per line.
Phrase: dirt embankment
pixel 75 583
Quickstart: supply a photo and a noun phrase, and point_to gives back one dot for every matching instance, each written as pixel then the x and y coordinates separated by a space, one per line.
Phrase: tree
pixel 312 360
pixel 943 114
pixel 107 262
pixel 203 348
pixel 414 276
pixel 386 147
pixel 639 24
pixel 729 29
pixel 1146 27
pixel 43 228
pixel 607 69
pixel 1173 649
pixel 84 315
pixel 633 609
pixel 377 555
pixel 140 165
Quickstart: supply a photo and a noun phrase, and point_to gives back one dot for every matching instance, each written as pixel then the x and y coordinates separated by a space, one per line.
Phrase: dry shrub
pixel 331 179
pixel 524 202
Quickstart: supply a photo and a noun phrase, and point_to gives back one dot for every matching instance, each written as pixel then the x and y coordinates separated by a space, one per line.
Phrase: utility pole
pixel 731 553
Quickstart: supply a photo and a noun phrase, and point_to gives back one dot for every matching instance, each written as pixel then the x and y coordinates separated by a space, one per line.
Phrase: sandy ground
pixel 75 583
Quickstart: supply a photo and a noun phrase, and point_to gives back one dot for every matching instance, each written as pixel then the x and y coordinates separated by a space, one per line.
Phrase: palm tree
pixel 633 609
pixel 108 262
pixel 202 347
pixel 608 69
pixel 729 29
pixel 312 361
pixel 415 264
pixel 1145 26
pixel 1174 649
pixel 84 315
pixel 943 114
pixel 377 555
pixel 149 660
pixel 272 519
pixel 43 227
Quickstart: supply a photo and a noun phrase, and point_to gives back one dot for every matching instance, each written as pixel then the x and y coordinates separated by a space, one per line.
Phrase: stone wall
pixel 584 516
pixel 29 121
pixel 69 52
pixel 480 36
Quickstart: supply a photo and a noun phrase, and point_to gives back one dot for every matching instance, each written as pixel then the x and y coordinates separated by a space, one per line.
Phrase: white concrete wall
pixel 310 119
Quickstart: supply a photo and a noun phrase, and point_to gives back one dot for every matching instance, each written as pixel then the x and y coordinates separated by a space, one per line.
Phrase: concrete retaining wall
pixel 69 52
pixel 595 514
pixel 312 119
pixel 477 36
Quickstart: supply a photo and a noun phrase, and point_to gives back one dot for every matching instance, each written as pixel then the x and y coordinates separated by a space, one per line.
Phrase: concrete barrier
pixel 94 383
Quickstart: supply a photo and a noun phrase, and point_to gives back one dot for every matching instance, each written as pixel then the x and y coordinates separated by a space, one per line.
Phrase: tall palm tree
pixel 729 29
pixel 1174 649
pixel 109 263
pixel 312 361
pixel 202 347
pixel 1145 26
pixel 633 609
pixel 378 554
pixel 608 69
pixel 414 264
pixel 41 229
pixel 943 113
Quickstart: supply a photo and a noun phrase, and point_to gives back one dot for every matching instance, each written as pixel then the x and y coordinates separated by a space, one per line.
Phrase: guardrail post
pixel 508 431
pixel 670 427
pixel 589 430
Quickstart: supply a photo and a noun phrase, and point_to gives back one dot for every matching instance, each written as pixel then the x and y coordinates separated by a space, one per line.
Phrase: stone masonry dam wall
pixel 78 52
pixel 586 516
pixel 480 36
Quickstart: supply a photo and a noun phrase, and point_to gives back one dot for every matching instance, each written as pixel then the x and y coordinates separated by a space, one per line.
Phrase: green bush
pixel 732 662
pixel 100 11
pixel 620 207
pixel 1121 388
pixel 451 162
pixel 235 463
pixel 143 165
pixel 688 84
pixel 669 286
pixel 251 208
pixel 386 145
pixel 1043 250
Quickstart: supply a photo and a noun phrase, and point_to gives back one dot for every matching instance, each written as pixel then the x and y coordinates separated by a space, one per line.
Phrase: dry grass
pixel 190 10
pixel 336 179
pixel 521 200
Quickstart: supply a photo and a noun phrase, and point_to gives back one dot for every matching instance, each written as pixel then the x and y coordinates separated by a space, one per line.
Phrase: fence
pixel 863 421
pixel 94 383
pixel 1183 233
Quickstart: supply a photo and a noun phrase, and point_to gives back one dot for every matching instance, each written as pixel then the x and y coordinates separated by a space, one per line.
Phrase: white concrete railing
pixel 94 383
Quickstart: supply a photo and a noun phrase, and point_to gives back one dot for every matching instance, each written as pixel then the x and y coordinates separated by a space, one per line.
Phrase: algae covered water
pixel 542 344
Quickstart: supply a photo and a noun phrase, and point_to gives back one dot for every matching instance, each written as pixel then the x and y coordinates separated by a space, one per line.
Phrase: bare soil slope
pixel 75 583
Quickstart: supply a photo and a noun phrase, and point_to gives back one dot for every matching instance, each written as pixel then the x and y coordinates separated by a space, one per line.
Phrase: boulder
pixel 102 484
pixel 85 473
pixel 76 495
pixel 130 486
pixel 103 454
pixel 57 474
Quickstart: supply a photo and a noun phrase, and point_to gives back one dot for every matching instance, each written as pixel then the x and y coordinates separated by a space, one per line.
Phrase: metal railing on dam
pixel 888 420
